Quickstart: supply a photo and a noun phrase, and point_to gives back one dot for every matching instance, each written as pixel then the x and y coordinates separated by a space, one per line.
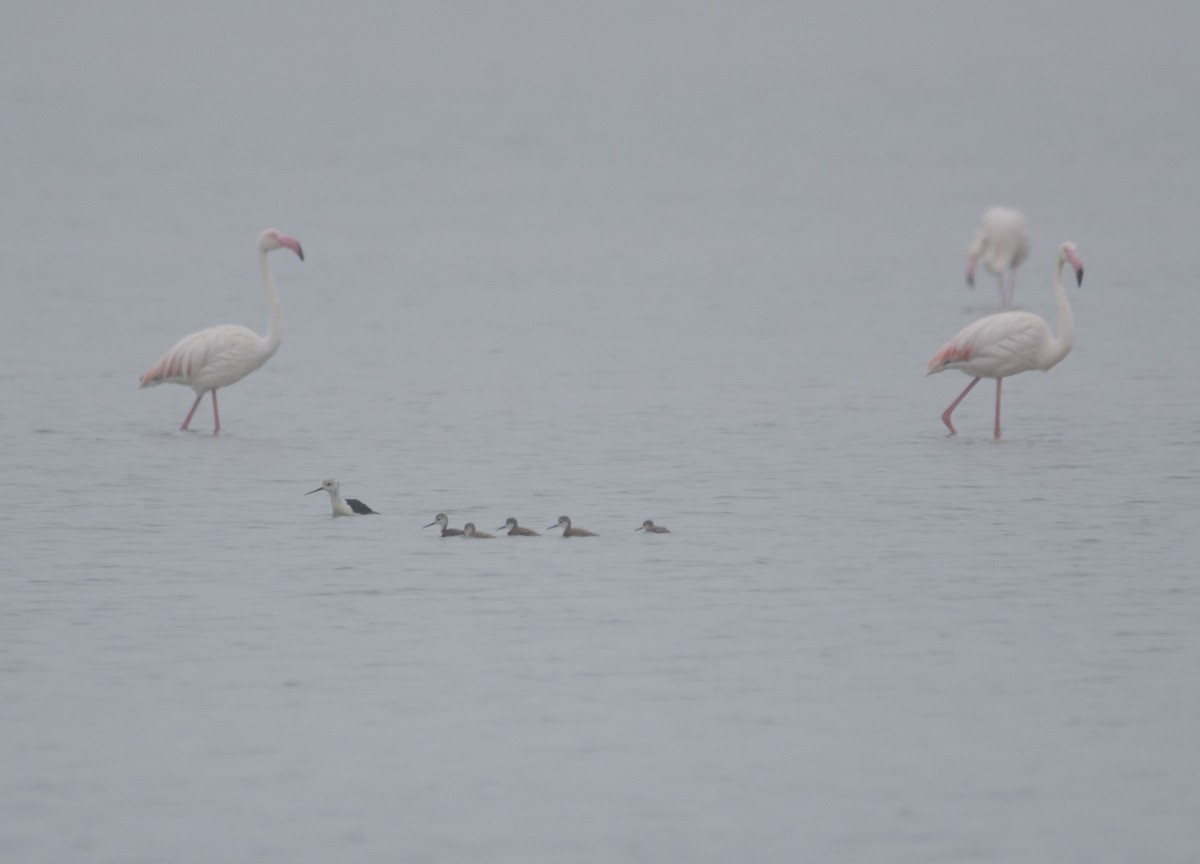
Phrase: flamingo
pixel 1002 240
pixel 342 506
pixel 1008 343
pixel 223 355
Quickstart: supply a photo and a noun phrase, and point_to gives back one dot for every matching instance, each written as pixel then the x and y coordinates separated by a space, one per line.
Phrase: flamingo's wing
pixel 996 346
pixel 217 356
pixel 1008 236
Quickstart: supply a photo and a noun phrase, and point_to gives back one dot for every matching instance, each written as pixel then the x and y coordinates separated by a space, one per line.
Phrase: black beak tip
pixel 1079 277
pixel 300 252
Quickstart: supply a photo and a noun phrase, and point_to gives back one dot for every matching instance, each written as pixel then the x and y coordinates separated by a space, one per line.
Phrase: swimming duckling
pixel 443 521
pixel 515 530
pixel 564 522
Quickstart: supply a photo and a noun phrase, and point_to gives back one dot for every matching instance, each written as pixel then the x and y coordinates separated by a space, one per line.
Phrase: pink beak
pixel 1078 265
pixel 291 243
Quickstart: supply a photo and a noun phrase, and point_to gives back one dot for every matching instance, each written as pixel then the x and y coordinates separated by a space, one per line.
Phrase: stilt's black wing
pixel 359 507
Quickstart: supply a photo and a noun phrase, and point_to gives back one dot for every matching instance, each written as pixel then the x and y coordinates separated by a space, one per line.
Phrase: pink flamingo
pixel 1008 343
pixel 1002 240
pixel 224 355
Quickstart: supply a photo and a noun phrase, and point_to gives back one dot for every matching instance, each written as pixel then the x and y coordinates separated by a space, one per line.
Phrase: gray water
pixel 621 261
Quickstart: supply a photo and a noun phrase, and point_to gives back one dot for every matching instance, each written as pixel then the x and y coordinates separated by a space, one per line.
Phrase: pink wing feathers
pixel 214 357
pixel 996 346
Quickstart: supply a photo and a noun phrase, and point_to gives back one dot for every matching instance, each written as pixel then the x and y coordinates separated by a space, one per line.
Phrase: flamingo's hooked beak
pixel 1078 265
pixel 971 271
pixel 291 243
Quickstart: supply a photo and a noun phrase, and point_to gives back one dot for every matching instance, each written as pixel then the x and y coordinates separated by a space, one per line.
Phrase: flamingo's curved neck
pixel 1066 321
pixel 274 307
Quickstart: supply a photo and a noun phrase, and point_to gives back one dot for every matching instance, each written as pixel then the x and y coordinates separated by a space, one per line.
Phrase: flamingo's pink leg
pixel 998 380
pixel 216 415
pixel 946 414
pixel 188 419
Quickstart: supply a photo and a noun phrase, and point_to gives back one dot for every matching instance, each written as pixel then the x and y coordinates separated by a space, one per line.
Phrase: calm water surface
pixel 640 261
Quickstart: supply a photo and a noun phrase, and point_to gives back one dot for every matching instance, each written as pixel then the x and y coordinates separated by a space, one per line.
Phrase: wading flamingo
pixel 224 355
pixel 1008 343
pixel 1002 241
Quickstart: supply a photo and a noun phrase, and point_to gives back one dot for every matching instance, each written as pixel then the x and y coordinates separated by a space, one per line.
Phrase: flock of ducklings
pixel 354 507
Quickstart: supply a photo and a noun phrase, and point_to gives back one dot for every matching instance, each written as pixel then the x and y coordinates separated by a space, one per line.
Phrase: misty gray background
pixel 622 260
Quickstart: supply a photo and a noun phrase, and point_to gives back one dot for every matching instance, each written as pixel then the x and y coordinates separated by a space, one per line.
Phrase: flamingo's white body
pixel 223 355
pixel 1002 241
pixel 1009 343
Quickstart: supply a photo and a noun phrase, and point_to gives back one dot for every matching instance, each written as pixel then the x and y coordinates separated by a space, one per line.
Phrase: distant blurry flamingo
pixel 1002 240
pixel 224 355
pixel 1008 343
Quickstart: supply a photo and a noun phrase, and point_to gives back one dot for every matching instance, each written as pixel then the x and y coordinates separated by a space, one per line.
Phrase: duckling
pixel 443 521
pixel 564 522
pixel 515 530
